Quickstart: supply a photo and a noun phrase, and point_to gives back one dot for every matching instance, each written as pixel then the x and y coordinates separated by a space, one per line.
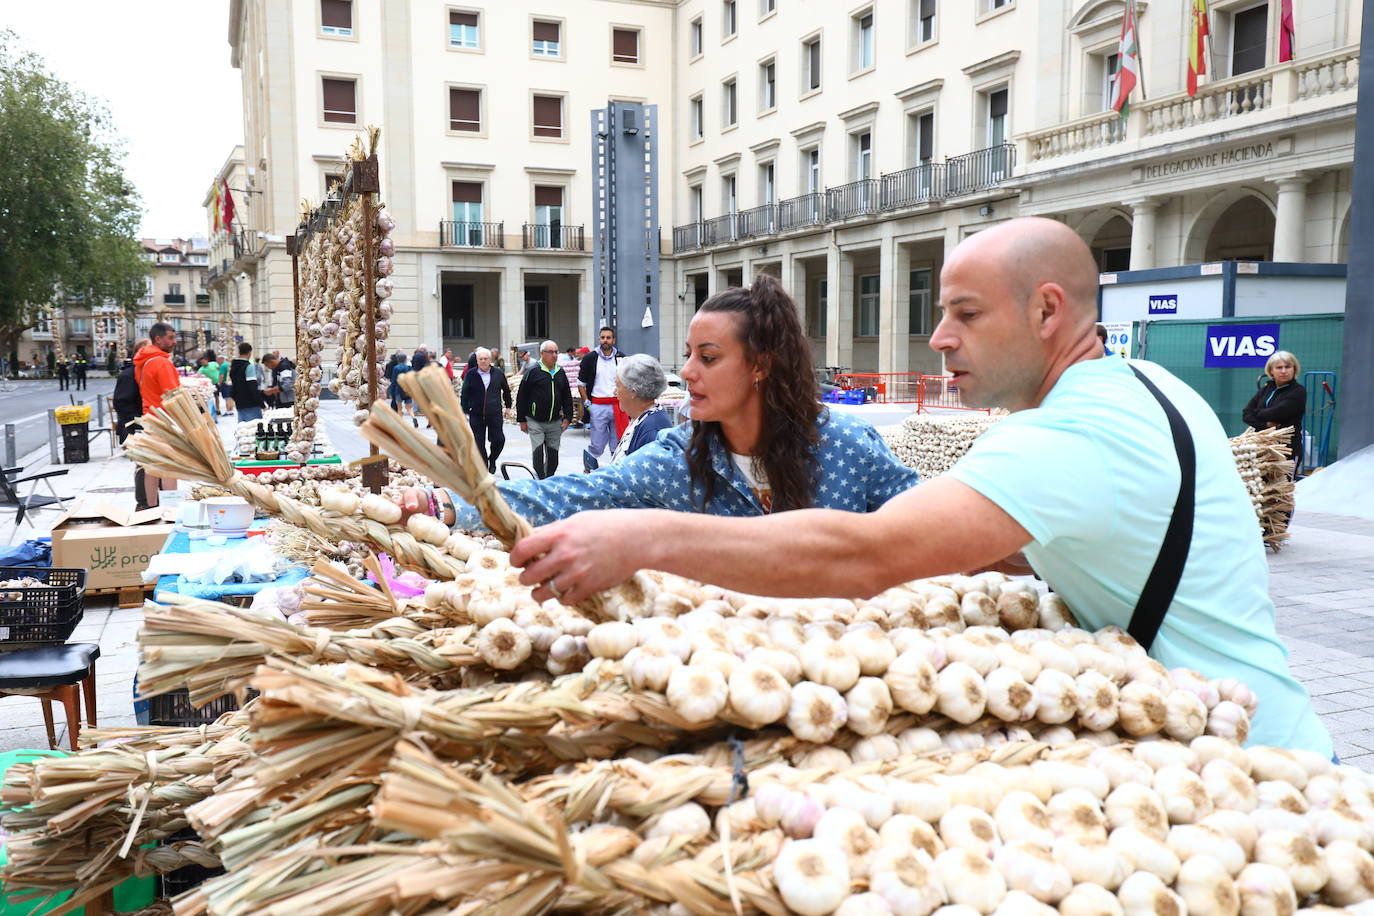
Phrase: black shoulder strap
pixel 1160 587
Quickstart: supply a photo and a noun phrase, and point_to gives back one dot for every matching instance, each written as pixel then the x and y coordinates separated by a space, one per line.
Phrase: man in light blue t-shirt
pixel 1079 484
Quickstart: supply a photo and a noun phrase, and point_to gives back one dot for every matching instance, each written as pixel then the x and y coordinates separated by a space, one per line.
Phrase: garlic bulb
pixel 381 509
pixel 1265 891
pixel 867 904
pixel 759 695
pixel 800 814
pixel 970 880
pixel 906 879
pixel 816 712
pixel 1057 699
pixel 1141 709
pixel 978 609
pixel 1054 614
pixel 812 876
pixel 1188 840
pixel 1296 856
pixel 973 649
pixel 1143 894
pixel 910 830
pixel 970 828
pixel 828 663
pixel 648 667
pixel 1207 888
pixel 427 529
pixel 1229 787
pixel 1351 874
pixel 612 640
pixel 1017 610
pixel 1009 697
pixel 868 705
pixel 343 502
pixel 1020 817
pixel 1185 715
pixel 1139 807
pixel 1145 852
pixel 924 800
pixel 1097 863
pixel 1229 720
pixel 503 645
pixel 911 679
pixel 872 648
pixel 1019 658
pixel 960 693
pixel 1030 868
pixel 1183 793
pixel 687 821
pixel 1272 763
pixel 1075 814
pixel 1090 900
pixel 1051 654
pixel 847 830
pixel 696 694
pixel 1097 699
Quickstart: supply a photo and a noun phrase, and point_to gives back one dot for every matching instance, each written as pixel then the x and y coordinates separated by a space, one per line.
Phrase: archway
pixel 1243 232
pixel 1111 245
pixel 1341 250
pixel 1197 239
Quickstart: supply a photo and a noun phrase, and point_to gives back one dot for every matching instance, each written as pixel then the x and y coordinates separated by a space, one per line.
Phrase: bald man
pixel 1079 484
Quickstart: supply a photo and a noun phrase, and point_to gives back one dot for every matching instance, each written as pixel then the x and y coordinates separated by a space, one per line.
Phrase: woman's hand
pixel 577 557
pixel 413 501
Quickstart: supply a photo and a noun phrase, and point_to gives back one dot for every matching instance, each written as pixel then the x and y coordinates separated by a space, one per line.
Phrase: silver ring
pixel 553 587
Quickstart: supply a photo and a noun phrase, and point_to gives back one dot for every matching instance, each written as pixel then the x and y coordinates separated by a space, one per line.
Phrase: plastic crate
pixel 76 446
pixel 188 876
pixel 42 615
pixel 174 709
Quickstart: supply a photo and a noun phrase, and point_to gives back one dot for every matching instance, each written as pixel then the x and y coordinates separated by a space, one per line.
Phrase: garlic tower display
pixel 56 323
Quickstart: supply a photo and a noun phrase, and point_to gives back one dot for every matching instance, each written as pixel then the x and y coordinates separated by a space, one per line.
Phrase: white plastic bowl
pixel 229 513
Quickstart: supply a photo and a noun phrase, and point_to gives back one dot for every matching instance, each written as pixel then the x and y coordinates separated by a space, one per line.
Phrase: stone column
pixel 512 313
pixel 839 308
pixel 1143 232
pixel 1289 225
pixel 894 307
pixel 586 310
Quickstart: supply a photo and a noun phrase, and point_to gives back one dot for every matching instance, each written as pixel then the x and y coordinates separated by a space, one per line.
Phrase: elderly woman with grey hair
pixel 639 380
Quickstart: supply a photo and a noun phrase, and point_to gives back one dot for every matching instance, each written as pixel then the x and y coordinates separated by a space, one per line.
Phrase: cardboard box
pixel 112 545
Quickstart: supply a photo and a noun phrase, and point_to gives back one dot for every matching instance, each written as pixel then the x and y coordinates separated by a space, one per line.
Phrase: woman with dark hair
pixel 759 440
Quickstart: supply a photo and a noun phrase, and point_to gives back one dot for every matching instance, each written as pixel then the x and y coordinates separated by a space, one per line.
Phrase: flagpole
pixel 1139 52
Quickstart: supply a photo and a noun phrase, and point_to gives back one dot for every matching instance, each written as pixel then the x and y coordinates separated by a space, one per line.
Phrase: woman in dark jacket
pixel 1281 402
pixel 484 390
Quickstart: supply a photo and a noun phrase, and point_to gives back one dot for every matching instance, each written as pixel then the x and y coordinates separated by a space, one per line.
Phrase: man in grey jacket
pixel 283 386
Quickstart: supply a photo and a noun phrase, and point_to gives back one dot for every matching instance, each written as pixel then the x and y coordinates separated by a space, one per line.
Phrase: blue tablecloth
pixel 182 542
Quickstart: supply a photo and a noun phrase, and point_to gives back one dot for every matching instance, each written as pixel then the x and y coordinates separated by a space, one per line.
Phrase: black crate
pixel 188 876
pixel 76 446
pixel 174 709
pixel 41 615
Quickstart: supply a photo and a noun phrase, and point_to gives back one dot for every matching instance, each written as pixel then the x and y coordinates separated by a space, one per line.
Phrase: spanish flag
pixel 1197 43
pixel 1287 31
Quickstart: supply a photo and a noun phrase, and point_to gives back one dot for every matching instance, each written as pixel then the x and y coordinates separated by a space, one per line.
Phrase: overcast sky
pixel 162 69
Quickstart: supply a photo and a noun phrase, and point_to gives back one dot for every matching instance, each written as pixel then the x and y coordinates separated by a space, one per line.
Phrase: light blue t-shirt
pixel 1092 475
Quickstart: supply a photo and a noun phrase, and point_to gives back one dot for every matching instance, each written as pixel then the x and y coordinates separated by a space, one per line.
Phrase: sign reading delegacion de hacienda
pixel 1211 161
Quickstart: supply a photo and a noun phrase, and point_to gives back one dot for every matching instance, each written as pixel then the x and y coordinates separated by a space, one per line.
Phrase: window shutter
pixel 548 196
pixel 462 19
pixel 545 31
pixel 337 14
pixel 814 63
pixel 926 129
pixel 340 105
pixel 625 46
pixel 997 103
pixel 465 109
pixel 467 192
pixel 927 9
pixel 548 116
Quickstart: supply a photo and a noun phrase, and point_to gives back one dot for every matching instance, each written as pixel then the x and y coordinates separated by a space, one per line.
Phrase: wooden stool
pixel 50 673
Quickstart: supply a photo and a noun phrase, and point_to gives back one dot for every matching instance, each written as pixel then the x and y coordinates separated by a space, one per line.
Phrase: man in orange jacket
pixel 155 374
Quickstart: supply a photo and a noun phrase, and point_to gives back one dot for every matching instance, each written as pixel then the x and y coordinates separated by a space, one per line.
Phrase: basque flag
pixel 1127 63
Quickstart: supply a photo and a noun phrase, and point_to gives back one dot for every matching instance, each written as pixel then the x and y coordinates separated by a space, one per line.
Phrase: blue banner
pixel 1240 345
pixel 1164 304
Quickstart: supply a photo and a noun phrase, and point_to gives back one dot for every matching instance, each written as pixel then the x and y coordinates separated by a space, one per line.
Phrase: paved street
pixel 27 405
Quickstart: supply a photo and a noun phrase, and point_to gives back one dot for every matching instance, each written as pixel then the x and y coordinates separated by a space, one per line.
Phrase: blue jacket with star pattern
pixel 858 473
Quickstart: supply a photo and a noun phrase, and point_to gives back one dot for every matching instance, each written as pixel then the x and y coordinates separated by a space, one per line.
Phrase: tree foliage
pixel 68 217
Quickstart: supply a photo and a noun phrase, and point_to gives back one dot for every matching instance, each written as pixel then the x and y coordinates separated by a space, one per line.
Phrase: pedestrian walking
pixel 485 392
pixel 225 391
pixel 544 408
pixel 447 363
pixel 63 376
pixel 155 374
pixel 596 382
pixel 209 367
pixel 127 402
pixel 573 366
pixel 401 401
pixel 243 385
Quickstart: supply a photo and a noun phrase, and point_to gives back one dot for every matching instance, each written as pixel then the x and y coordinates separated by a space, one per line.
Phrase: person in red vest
pixel 155 374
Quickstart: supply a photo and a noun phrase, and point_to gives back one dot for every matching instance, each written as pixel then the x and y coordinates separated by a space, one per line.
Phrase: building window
pixel 548 216
pixel 168 257
pixel 695 202
pixel 456 308
pixel 465 110
pixel 922 137
pixel 336 17
pixel 811 170
pixel 997 114
pixel 729 18
pixel 922 21
pixel 546 39
pixel 467 213
pixel 330 180
pixel 767 183
pixel 729 193
pixel 625 46
pixel 81 326
pixel 698 117
pixel 697 39
pixel 729 108
pixel 863 155
pixel 174 289
pixel 768 85
pixel 340 100
pixel 820 317
pixel 811 64
pixel 1098 72
pixel 548 116
pixel 863 41
pixel 989 6
pixel 767 7
pixel 1249 37
pixel 868 306
pixel 920 314
pixel 536 313
pixel 463 30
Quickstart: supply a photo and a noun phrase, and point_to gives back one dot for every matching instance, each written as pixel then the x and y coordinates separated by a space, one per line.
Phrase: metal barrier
pixel 927 392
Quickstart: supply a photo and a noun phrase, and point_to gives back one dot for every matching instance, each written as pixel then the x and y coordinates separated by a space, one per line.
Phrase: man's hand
pixel 524 427
pixel 413 501
pixel 577 557
pixel 565 424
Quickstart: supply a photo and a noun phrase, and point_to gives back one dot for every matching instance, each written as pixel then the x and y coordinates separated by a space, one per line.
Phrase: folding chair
pixel 9 492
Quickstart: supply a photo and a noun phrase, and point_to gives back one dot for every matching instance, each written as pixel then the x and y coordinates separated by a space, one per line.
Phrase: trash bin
pixel 76 433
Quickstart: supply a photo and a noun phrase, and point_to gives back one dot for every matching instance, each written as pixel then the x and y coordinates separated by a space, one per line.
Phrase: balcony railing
pixel 858 198
pixel 1250 93
pixel 552 237
pixel 758 221
pixel 921 184
pixel 173 298
pixel 931 182
pixel 980 170
pixel 804 210
pixel 460 234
